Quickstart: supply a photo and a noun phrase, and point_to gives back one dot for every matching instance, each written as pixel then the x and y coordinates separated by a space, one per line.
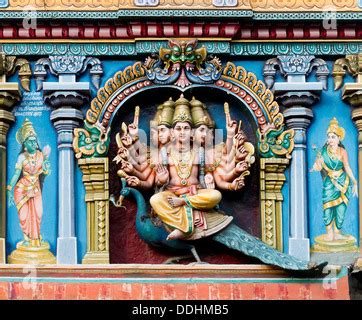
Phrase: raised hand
pixel 127 166
pixel 46 167
pixel 133 181
pixel 241 167
pixel 133 130
pixel 318 164
pixel 241 153
pixel 230 124
pixel 240 138
pixel 209 181
pixel 123 153
pixel 162 173
pixel 238 184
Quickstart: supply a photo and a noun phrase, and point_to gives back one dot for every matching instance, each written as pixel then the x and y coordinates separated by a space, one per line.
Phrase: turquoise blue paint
pixel 46 136
pixel 330 106
pixel 4 3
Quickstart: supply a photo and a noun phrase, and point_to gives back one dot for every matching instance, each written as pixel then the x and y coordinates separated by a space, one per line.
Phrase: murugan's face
pixel 201 133
pixel 164 134
pixel 31 144
pixel 182 132
pixel 332 139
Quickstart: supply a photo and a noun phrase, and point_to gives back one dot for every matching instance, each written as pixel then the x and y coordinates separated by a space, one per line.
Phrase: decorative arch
pixel 129 82
pixel 91 143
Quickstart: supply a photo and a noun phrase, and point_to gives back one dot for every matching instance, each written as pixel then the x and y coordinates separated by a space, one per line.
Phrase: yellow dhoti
pixel 182 217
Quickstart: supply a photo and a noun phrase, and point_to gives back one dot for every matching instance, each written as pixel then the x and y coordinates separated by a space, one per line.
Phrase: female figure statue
pixel 339 182
pixel 30 170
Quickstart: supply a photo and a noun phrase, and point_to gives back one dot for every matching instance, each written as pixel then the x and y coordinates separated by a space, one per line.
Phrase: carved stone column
pixel 297 96
pixel 10 94
pixel 272 179
pixel 95 179
pixel 66 97
pixel 352 94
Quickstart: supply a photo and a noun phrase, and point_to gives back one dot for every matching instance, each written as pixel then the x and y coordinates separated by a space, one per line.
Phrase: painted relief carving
pixel 68 65
pixel 9 65
pixel 187 172
pixel 92 141
pixel 276 143
pixel 274 146
pixel 295 66
pixel 339 184
pixel 182 63
pixel 25 192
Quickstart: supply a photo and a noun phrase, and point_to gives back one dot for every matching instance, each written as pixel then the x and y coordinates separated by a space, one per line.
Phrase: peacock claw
pixel 175 260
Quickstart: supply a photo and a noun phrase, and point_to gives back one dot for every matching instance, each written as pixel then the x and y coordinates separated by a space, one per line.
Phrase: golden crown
pixel 27 130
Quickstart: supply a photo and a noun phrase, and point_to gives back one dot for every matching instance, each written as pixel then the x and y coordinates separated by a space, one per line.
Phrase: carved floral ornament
pixel 291 66
pixel 182 64
pixel 67 65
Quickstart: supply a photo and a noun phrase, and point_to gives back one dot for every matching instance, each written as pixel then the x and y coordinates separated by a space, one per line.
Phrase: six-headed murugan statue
pixel 187 171
pixel 187 167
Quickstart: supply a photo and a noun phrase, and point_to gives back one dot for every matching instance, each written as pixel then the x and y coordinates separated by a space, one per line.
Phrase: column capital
pixel 67 92
pixel 296 69
pixel 9 65
pixel 65 99
pixel 66 119
pixel 67 69
pixel 10 92
pixel 351 92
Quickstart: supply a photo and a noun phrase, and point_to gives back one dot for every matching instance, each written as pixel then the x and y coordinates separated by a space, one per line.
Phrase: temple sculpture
pixel 144 143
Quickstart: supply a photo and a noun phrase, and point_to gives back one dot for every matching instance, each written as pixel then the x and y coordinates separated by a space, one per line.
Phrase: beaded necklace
pixel 183 164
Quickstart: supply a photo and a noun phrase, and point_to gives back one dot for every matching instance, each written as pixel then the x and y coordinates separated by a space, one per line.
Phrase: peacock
pixel 231 236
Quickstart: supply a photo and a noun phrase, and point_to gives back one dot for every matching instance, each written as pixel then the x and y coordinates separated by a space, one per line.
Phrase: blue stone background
pixel 330 106
pixel 46 136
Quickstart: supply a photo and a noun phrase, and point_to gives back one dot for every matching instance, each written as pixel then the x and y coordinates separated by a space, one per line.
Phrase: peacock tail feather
pixel 235 238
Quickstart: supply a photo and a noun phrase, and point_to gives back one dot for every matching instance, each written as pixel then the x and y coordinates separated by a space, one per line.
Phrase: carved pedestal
pixel 272 179
pixel 95 179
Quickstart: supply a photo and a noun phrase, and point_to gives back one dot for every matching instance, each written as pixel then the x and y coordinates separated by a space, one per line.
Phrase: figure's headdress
pixel 182 111
pixel 156 118
pixel 26 131
pixel 336 129
pixel 167 113
pixel 200 115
